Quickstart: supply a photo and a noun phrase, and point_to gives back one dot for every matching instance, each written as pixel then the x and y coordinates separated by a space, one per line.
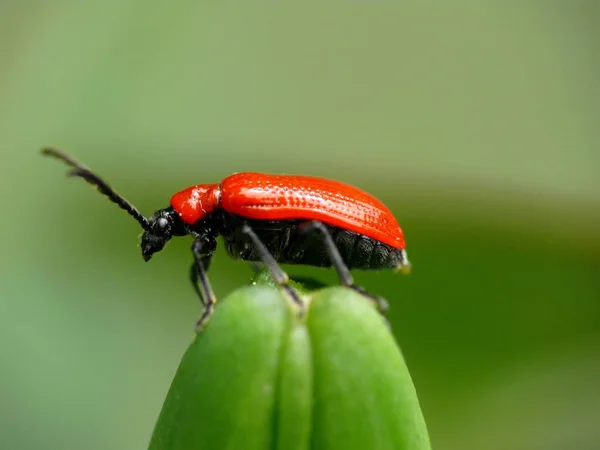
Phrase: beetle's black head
pixel 162 225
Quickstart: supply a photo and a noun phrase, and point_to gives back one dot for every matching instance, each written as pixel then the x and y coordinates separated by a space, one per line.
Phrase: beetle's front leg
pixel 203 249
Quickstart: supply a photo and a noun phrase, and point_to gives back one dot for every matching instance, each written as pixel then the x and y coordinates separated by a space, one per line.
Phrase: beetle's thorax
pixel 196 202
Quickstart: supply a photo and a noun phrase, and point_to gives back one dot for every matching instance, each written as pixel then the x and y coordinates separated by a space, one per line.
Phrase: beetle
pixel 289 219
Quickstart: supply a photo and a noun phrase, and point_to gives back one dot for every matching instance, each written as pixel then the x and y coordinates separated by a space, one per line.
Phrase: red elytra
pixel 281 197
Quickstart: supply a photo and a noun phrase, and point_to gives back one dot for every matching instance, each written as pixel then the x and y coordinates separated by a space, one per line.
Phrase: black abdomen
pixel 288 246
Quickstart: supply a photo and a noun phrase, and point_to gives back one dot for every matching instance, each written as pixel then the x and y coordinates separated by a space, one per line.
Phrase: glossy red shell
pixel 195 202
pixel 281 197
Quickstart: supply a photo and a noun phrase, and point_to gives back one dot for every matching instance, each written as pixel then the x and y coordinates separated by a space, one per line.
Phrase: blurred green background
pixel 478 125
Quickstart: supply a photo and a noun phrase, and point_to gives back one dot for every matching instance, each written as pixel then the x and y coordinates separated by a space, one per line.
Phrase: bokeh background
pixel 478 125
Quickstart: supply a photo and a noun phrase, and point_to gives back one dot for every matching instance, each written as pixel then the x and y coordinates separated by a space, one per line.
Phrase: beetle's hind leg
pixel 280 277
pixel 338 262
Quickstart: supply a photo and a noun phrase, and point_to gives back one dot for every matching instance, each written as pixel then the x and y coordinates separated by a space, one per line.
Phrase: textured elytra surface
pixel 282 197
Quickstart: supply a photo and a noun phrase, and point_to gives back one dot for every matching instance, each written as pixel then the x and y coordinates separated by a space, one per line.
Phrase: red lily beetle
pixel 273 219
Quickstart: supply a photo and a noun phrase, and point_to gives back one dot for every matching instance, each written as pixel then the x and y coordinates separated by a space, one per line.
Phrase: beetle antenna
pixel 79 170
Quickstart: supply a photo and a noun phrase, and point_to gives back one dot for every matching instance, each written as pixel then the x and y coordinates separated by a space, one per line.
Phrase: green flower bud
pixel 260 377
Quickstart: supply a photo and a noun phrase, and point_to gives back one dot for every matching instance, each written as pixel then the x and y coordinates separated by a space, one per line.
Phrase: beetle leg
pixel 195 279
pixel 338 262
pixel 280 277
pixel 199 278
